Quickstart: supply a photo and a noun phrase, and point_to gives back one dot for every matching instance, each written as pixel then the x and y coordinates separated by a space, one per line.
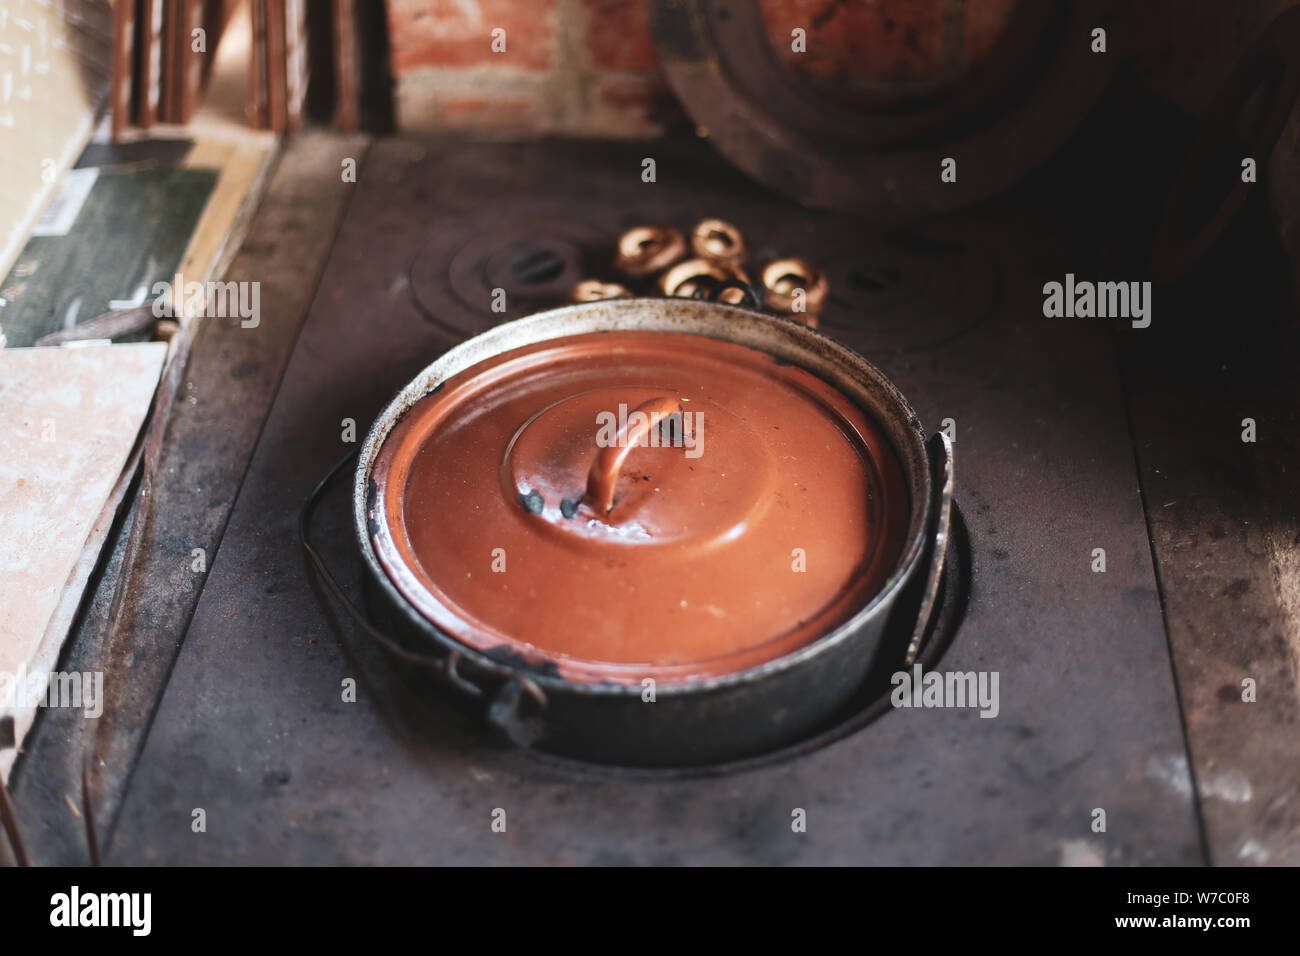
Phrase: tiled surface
pixel 68 419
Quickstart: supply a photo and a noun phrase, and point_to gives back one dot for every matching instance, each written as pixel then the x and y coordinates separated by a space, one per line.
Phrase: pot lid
pixel 625 505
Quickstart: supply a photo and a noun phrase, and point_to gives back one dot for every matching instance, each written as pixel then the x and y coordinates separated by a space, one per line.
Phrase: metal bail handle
pixel 747 290
pixel 517 705
pixel 939 449
pixel 507 712
pixel 446 665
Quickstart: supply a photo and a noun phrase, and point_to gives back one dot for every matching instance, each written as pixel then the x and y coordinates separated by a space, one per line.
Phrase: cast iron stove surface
pixel 254 728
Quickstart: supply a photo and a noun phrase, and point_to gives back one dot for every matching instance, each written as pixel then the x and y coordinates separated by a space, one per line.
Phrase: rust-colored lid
pixel 638 504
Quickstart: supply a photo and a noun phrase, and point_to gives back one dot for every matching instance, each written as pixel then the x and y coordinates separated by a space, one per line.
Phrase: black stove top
pixel 253 727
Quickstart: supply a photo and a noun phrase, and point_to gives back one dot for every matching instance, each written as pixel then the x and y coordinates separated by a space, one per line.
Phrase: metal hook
pixel 715 293
pixel 449 666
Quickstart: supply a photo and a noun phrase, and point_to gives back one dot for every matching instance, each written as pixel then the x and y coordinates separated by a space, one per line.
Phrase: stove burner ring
pixel 534 253
pixel 531 266
pixel 909 293
pixel 528 269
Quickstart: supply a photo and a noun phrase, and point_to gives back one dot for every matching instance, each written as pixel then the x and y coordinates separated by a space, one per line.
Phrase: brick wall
pixel 589 67
pixel 569 66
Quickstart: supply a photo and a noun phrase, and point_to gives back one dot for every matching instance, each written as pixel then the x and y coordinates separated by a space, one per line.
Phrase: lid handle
pixel 609 460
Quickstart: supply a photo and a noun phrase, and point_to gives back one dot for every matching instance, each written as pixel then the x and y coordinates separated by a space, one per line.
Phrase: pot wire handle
pixel 508 711
pixel 939 449
pixel 446 666
pixel 749 291
pixel 604 472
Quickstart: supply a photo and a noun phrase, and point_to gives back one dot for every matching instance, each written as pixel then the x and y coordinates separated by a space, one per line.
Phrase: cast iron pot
pixel 698 721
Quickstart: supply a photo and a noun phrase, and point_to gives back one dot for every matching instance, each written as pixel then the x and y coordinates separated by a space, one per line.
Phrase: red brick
pixel 463 107
pixel 636 95
pixel 421 105
pixel 505 112
pixel 458 33
pixel 618 35
pixel 624 103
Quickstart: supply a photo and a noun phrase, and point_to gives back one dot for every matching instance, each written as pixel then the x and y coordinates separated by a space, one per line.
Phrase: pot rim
pixel 844 368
